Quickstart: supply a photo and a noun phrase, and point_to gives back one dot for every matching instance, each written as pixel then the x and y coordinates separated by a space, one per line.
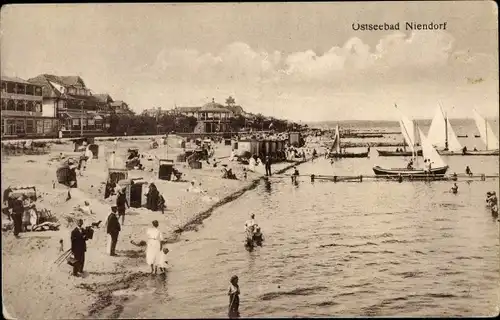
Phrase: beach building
pixel 78 111
pixel 211 117
pixel 23 111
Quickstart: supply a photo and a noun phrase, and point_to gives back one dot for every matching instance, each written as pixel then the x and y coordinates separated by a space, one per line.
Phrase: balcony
pixel 20 96
pixel 14 113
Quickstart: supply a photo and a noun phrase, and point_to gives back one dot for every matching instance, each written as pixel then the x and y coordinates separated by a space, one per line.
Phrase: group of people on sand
pixel 21 210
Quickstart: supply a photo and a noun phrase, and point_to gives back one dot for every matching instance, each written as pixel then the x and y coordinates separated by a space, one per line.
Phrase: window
pixel 39 126
pixel 11 127
pixel 30 107
pixel 19 126
pixel 55 124
pixel 47 126
pixel 4 89
pixel 30 128
pixel 20 106
pixel 3 126
pixel 38 91
pixel 11 87
pixel 38 107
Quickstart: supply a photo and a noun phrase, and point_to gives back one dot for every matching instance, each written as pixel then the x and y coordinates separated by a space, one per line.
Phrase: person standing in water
pixel 454 189
pixel 234 298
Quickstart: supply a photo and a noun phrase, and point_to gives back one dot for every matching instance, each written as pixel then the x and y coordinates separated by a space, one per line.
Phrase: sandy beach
pixel 29 271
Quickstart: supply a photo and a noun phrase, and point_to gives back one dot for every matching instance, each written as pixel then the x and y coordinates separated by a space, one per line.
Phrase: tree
pixel 230 101
pixel 237 123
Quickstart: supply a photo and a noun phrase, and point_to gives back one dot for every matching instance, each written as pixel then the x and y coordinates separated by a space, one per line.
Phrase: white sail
pixel 441 131
pixel 429 152
pixel 407 130
pixel 336 140
pixel 487 135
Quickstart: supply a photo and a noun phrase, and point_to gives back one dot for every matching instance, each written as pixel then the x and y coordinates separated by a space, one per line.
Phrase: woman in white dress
pixel 153 251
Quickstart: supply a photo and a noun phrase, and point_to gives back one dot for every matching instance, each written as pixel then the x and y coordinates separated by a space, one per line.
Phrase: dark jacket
pixel 78 241
pixel 121 200
pixel 113 226
pixel 17 206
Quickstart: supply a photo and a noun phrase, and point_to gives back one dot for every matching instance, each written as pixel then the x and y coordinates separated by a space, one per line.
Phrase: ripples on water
pixel 345 249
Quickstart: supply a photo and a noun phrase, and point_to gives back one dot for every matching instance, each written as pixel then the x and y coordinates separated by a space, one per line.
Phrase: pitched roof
pixel 236 109
pixel 187 109
pixel 72 81
pixel 103 97
pixel 117 103
pixel 14 79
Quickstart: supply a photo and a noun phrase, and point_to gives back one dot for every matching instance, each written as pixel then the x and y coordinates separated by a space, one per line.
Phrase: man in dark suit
pixel 78 247
pixel 113 229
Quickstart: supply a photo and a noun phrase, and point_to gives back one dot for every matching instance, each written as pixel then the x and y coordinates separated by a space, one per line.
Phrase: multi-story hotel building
pixel 23 112
pixel 78 110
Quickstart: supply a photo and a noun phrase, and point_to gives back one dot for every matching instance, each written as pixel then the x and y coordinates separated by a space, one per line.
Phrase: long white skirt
pixel 153 252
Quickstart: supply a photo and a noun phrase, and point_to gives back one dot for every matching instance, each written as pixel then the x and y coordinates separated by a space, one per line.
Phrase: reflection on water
pixel 346 249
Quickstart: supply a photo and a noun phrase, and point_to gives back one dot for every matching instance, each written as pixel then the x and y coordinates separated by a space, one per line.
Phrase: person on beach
pixel 17 215
pixel 109 189
pixel 268 166
pixel 162 262
pixel 86 208
pixel 113 229
pixel 78 247
pixel 154 246
pixel 121 202
pixel 152 198
pixel 234 298
pixel 454 189
pixel 26 214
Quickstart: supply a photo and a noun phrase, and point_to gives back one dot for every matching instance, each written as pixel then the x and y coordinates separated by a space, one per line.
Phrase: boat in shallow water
pixel 336 151
pixel 482 153
pixel 438 167
pixel 487 136
pixel 439 171
pixel 442 136
pixel 387 153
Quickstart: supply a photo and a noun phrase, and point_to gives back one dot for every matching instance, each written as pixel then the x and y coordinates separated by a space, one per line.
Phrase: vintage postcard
pixel 213 160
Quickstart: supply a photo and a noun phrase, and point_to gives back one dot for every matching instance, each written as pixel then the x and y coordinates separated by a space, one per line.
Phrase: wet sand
pixel 35 287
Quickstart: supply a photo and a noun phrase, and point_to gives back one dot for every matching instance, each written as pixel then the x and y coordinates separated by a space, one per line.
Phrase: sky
pixel 299 61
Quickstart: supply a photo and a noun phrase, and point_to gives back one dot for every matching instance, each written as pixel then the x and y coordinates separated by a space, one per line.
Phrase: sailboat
pixel 410 134
pixel 488 137
pixel 336 152
pixel 438 167
pixel 442 136
pixel 403 153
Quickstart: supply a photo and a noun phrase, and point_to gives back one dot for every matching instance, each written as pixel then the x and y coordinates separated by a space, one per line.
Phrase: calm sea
pixel 341 249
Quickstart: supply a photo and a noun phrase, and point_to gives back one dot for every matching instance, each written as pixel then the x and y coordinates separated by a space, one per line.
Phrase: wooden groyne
pixel 364 178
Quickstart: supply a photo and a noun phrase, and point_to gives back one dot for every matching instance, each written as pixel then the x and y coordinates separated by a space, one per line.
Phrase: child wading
pixel 234 298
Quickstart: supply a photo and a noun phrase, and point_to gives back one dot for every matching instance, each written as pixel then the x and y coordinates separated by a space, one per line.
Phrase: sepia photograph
pixel 250 160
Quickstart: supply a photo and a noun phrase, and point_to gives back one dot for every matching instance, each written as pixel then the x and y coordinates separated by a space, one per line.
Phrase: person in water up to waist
pixel 454 189
pixel 249 224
